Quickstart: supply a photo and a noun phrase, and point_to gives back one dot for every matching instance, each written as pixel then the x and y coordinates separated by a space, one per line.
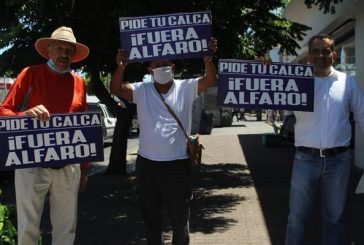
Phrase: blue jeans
pixel 310 174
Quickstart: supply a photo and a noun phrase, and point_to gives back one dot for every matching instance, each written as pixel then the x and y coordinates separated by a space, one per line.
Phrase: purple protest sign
pixel 27 142
pixel 167 37
pixel 280 86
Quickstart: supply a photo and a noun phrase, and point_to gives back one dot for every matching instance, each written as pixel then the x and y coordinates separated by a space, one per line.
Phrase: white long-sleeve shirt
pixel 328 125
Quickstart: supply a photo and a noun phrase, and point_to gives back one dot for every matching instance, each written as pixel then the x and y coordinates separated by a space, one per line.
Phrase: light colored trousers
pixel 31 187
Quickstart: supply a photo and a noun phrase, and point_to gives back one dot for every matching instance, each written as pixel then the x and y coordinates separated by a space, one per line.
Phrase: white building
pixel 346 26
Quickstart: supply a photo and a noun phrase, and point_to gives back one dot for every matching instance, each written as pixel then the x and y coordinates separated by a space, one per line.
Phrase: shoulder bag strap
pixel 173 114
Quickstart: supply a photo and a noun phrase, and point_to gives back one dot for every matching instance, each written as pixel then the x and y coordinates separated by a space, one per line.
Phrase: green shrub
pixel 7 230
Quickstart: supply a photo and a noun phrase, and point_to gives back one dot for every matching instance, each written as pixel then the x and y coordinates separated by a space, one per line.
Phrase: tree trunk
pixel 117 160
pixel 120 139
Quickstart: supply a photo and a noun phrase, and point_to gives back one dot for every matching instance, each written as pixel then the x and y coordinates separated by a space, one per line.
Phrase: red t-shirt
pixel 58 93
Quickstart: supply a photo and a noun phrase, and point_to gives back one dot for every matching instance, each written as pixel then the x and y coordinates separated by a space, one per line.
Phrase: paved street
pixel 240 197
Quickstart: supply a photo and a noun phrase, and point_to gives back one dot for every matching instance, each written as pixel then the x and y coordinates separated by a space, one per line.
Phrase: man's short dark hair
pixel 321 37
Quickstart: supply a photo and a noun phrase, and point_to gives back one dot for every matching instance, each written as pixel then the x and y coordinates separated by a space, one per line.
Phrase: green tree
pixel 243 28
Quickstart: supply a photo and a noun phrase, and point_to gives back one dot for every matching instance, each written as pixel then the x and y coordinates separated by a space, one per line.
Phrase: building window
pixel 345 60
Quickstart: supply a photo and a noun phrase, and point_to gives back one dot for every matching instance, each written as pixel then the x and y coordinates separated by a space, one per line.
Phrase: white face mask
pixel 163 75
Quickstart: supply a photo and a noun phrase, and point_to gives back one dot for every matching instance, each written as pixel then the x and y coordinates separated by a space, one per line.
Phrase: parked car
pixel 107 118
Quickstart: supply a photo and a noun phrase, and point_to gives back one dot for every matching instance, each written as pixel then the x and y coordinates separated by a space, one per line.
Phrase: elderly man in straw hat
pixel 49 88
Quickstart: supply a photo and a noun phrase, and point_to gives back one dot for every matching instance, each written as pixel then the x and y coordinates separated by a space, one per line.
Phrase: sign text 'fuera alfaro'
pixel 65 139
pixel 170 36
pixel 251 84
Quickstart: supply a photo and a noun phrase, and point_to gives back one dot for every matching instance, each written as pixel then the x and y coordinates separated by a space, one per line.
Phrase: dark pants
pixel 165 184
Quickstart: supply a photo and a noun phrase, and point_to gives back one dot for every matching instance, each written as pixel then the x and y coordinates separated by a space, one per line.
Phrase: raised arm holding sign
pixel 163 164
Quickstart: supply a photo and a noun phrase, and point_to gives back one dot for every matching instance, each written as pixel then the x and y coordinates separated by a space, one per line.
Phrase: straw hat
pixel 65 34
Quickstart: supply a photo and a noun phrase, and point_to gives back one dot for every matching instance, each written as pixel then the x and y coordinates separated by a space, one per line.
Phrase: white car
pixel 107 118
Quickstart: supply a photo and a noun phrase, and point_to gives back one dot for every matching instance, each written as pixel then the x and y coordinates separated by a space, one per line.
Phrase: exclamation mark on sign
pixel 204 45
pixel 93 149
pixel 304 99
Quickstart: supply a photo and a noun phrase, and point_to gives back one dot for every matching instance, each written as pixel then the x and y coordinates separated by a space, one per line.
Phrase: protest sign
pixel 280 86
pixel 27 142
pixel 167 37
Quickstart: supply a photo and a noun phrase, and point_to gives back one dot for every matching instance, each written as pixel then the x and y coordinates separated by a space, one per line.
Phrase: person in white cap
pixel 39 91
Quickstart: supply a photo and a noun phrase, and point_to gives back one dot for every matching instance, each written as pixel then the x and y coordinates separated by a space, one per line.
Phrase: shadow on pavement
pixel 109 212
pixel 271 171
pixel 206 205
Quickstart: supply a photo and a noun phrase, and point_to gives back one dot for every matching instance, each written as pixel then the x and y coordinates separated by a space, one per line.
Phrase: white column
pixel 359 61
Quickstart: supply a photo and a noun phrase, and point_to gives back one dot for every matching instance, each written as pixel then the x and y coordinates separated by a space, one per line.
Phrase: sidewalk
pixel 240 188
pixel 240 197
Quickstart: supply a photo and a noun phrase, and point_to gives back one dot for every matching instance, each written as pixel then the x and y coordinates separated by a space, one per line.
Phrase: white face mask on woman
pixel 163 75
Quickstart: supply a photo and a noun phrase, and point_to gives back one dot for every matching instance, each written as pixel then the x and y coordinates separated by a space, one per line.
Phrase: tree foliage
pixel 243 28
